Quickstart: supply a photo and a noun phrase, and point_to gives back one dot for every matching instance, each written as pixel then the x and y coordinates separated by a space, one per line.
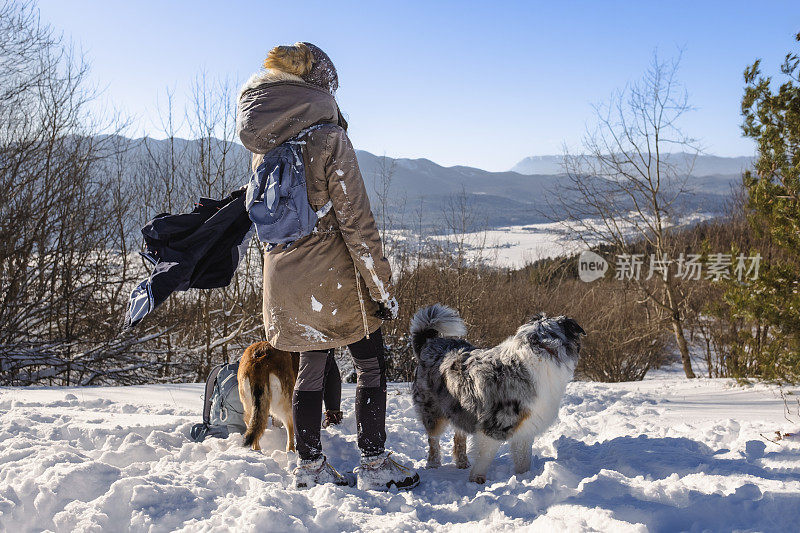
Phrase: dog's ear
pixel 571 328
pixel 535 317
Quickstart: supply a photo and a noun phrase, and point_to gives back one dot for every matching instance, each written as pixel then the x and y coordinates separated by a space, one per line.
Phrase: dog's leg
pixel 260 417
pixel 288 422
pixel 434 428
pixel 246 398
pixel 487 449
pixel 282 407
pixel 290 435
pixel 434 452
pixel 285 416
pixel 521 453
pixel 460 450
pixel 258 395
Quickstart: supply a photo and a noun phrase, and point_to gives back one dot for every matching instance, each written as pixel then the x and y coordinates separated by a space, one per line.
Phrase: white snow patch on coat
pixel 313 334
pixel 370 264
pixel 315 304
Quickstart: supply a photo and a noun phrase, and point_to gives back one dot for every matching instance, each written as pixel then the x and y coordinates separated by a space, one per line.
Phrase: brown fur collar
pixel 268 75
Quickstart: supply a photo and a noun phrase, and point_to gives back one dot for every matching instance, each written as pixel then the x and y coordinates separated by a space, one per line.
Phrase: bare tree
pixel 60 234
pixel 173 174
pixel 214 162
pixel 387 217
pixel 624 186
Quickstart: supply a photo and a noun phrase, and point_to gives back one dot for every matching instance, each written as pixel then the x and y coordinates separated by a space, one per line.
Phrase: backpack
pixel 223 413
pixel 277 200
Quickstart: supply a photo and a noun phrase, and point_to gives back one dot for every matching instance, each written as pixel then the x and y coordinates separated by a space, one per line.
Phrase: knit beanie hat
pixel 323 72
pixel 307 61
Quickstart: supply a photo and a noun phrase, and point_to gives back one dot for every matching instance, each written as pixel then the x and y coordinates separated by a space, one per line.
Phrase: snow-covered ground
pixel 516 246
pixel 665 454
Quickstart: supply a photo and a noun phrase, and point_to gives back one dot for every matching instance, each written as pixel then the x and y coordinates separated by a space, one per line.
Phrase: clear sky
pixel 482 84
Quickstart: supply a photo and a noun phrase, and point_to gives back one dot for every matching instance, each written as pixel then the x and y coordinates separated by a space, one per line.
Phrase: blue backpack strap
pixel 210 383
pixel 322 211
pixel 273 187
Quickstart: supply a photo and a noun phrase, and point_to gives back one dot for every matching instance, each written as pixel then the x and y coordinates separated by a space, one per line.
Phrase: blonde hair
pixel 295 59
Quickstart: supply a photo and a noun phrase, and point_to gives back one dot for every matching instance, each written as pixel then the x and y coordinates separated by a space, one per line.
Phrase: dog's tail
pixel 260 411
pixel 433 321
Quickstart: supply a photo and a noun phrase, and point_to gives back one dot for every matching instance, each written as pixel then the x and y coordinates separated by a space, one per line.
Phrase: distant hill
pixel 513 197
pixel 421 189
pixel 704 165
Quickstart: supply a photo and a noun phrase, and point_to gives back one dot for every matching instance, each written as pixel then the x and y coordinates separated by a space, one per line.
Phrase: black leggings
pixel 332 388
pixel 311 385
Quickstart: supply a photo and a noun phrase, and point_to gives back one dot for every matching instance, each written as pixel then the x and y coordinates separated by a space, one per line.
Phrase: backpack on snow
pixel 223 413
pixel 277 200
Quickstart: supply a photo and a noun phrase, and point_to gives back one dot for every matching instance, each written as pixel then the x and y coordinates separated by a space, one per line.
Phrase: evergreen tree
pixel 770 304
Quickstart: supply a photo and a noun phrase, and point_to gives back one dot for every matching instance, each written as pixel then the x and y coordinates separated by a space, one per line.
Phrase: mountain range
pixel 525 194
pixel 704 165
pixel 421 191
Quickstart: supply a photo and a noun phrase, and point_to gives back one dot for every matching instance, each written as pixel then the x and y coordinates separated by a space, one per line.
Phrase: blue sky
pixel 461 83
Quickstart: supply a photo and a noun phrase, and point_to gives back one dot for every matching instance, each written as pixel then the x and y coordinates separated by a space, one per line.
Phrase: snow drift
pixel 664 454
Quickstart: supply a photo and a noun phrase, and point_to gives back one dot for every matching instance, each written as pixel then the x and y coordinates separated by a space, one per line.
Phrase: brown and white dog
pixel 266 381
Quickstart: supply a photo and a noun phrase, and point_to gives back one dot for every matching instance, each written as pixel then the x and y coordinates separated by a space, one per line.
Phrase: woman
pixel 333 287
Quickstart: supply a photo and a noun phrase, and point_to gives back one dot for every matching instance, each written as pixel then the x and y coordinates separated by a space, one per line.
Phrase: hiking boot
pixel 380 472
pixel 316 472
pixel 332 418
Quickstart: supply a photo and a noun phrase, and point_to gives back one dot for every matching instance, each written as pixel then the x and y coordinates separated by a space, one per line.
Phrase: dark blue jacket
pixel 197 250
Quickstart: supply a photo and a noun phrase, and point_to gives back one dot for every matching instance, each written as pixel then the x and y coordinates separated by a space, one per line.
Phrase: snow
pixel 312 333
pixel 369 263
pixel 663 454
pixel 516 246
pixel 315 304
pixel 509 246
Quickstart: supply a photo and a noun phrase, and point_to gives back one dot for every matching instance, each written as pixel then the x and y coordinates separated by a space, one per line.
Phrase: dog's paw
pixel 462 463
pixel 433 463
pixel 478 478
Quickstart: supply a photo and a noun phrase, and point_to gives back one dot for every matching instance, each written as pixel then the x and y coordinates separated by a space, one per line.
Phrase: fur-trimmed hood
pixel 267 75
pixel 275 106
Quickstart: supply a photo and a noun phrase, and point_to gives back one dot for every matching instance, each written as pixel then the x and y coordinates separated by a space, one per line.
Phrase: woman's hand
pixel 388 310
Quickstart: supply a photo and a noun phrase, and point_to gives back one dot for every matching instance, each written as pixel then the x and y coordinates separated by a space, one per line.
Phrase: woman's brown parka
pixel 323 290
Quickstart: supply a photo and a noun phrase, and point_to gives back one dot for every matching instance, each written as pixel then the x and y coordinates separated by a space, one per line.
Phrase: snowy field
pixel 516 246
pixel 666 454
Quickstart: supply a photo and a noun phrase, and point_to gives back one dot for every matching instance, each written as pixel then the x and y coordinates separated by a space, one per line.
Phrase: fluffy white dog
pixel 509 392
